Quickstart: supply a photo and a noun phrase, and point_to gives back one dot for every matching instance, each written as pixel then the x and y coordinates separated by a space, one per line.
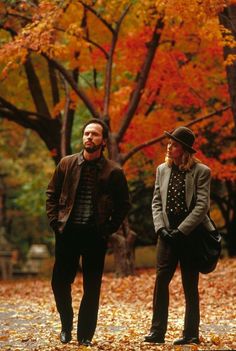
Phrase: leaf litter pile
pixel 29 320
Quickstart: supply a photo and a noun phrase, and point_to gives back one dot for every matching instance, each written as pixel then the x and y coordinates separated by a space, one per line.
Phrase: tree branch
pixel 137 148
pixel 86 39
pixel 108 75
pixel 53 84
pixel 67 124
pixel 35 88
pixel 97 46
pixel 47 129
pixel 97 15
pixel 88 103
pixel 142 79
pixel 227 19
pixel 153 103
pixel 29 117
pixel 17 15
pixel 84 25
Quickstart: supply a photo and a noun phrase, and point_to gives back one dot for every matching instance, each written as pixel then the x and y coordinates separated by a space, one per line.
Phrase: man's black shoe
pixel 154 338
pixel 85 342
pixel 65 336
pixel 185 340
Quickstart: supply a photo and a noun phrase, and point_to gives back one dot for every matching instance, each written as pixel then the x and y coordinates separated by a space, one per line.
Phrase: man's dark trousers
pixel 79 241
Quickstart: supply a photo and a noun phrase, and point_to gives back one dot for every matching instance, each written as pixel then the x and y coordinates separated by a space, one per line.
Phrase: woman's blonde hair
pixel 188 160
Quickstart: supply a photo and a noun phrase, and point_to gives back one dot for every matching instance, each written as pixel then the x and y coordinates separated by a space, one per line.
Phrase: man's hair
pixel 105 130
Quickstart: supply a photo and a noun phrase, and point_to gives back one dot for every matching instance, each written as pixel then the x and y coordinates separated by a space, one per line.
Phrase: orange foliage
pixel 187 77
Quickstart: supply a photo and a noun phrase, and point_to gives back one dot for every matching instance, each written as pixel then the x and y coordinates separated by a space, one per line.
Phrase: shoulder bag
pixel 204 248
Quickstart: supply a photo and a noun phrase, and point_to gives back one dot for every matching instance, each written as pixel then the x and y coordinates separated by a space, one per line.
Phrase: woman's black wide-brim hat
pixel 184 136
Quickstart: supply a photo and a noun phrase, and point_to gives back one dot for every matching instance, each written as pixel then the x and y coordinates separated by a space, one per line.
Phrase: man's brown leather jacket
pixel 111 194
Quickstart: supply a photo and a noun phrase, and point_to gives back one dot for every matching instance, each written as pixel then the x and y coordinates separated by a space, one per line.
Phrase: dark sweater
pixel 83 210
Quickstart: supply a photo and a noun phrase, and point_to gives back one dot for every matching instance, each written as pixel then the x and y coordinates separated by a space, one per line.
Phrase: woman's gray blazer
pixel 197 189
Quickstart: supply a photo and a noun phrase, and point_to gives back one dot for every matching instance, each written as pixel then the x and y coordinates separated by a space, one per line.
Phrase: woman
pixel 181 201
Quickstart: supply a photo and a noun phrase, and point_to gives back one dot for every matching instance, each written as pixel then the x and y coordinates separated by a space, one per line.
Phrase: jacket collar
pixel 100 162
pixel 80 158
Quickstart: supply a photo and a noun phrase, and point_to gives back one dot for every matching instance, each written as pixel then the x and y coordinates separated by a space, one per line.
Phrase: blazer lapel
pixel 164 185
pixel 189 187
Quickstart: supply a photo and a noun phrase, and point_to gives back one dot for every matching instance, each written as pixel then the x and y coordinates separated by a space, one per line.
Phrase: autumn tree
pixel 143 67
pixel 227 19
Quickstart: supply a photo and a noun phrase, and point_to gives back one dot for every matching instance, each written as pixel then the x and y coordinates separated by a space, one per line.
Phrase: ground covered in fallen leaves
pixel 29 321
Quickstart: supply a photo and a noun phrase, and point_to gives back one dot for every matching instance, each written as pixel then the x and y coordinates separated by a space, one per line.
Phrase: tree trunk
pixel 2 201
pixel 122 241
pixel 225 198
pixel 231 220
pixel 228 21
pixel 123 249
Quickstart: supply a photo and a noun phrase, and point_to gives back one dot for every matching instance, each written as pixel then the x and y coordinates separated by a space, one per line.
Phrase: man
pixel 87 200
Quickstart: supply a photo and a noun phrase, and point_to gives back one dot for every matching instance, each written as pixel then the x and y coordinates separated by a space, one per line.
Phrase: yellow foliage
pixel 55 27
pixel 215 339
pixel 230 60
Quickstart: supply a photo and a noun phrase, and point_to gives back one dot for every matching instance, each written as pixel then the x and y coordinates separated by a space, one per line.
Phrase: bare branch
pixel 142 79
pixel 47 129
pixel 35 88
pixel 67 123
pixel 97 46
pixel 68 77
pixel 137 148
pixel 17 15
pixel 153 103
pixel 68 118
pixel 7 106
pixel 108 75
pixel 86 39
pixel 53 83
pixel 84 25
pixel 97 15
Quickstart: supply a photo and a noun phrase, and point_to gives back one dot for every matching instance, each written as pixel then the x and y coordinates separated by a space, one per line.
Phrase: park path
pixel 29 321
